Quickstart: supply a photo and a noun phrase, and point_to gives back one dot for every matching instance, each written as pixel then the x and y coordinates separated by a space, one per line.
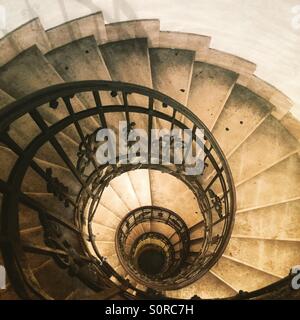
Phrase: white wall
pixel 266 32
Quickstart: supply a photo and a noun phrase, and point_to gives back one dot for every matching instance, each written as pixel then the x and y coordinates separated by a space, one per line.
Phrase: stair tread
pixel 57 276
pixel 30 62
pixel 27 35
pixel 92 24
pixel 172 71
pixel 102 233
pixel 292 125
pixel 229 61
pixel 275 222
pixel 268 92
pixel 174 195
pixel 208 287
pixel 242 113
pixel 5 99
pixel 123 187
pixel 34 183
pixel 79 60
pixel 188 41
pixel 277 184
pixel 106 217
pixel 207 79
pixel 248 279
pixel 128 61
pixel 82 60
pixel 141 184
pixel 15 81
pixel 270 142
pixel 121 54
pixel 124 30
pixel 112 202
pixel 273 257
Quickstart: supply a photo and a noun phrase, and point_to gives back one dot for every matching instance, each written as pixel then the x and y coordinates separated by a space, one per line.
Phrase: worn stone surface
pixel 275 222
pixel 242 114
pixel 188 41
pixel 148 28
pixel 27 35
pixel 91 25
pixel 172 72
pixel 205 80
pixel 266 188
pixel 272 256
pixel 269 143
pixel 241 276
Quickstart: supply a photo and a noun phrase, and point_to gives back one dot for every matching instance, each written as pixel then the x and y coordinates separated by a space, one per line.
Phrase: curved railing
pixel 176 245
pixel 45 123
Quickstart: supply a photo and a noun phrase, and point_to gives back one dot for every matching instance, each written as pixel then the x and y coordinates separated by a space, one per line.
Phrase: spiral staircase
pixel 73 229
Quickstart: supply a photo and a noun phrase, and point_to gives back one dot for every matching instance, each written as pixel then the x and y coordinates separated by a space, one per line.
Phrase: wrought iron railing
pixel 47 127
pixel 176 245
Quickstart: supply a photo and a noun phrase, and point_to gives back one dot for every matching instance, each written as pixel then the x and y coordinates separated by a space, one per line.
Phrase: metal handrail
pixel 59 96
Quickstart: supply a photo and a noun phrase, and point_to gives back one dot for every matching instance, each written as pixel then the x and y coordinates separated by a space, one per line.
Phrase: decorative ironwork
pixel 174 259
pixel 216 201
pixel 53 111
pixel 58 189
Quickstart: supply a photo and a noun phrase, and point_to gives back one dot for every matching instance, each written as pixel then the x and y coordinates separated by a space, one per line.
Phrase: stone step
pixel 58 277
pixel 123 188
pixel 168 192
pixel 242 114
pixel 186 41
pixel 208 287
pixel 106 249
pixel 274 257
pixel 113 260
pixel 242 277
pixel 140 181
pixel 8 160
pixel 229 61
pixel 27 35
pixel 15 81
pixel 124 30
pixel 91 25
pixel 278 184
pixel 53 205
pixel 268 144
pixel 102 233
pixel 5 99
pixel 208 79
pixel 111 201
pixel 24 137
pixel 161 228
pixel 82 60
pixel 135 233
pixel 28 218
pixel 106 218
pixel 292 125
pixel 282 104
pixel 171 73
pixel 274 222
pixel 34 183
pixel 128 61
